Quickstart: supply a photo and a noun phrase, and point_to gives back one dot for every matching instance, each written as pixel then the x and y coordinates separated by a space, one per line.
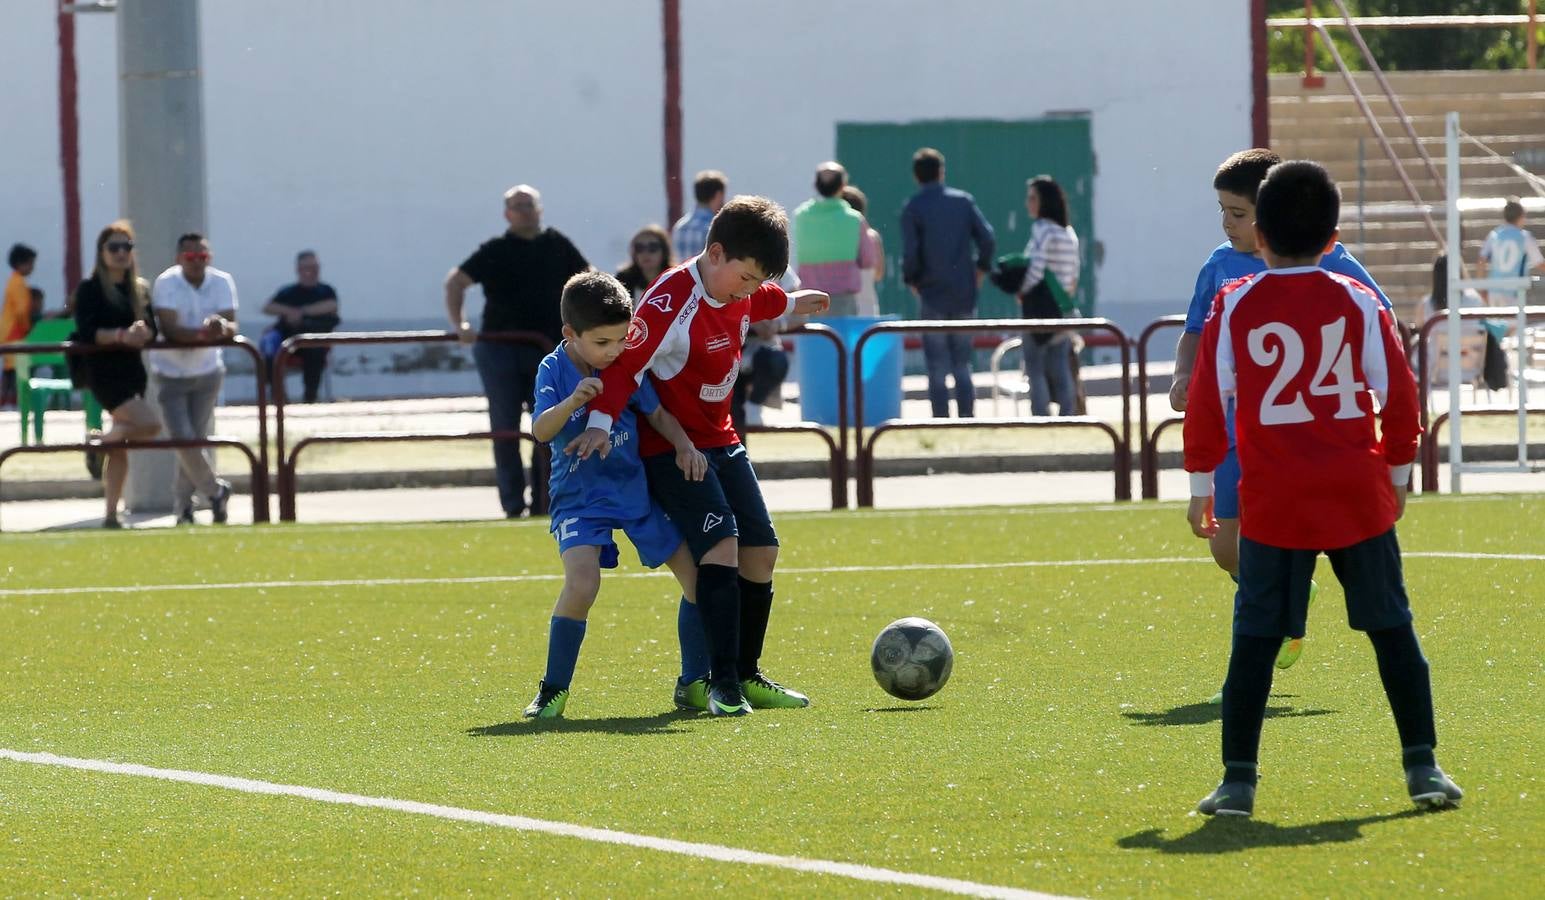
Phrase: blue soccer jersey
pixel 1510 251
pixel 1226 264
pixel 612 488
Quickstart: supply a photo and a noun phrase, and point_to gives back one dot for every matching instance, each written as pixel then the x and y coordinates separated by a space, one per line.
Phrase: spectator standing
pixel 194 303
pixel 649 255
pixel 831 241
pixel 112 308
pixel 522 273
pixel 1051 277
pixel 309 306
pixel 690 233
pixel 868 293
pixel 939 227
pixel 16 315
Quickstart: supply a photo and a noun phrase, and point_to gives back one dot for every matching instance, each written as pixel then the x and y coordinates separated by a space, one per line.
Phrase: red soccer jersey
pixel 690 345
pixel 1303 353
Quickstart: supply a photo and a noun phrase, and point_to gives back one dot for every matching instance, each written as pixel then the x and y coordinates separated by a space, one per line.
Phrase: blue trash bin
pixel 816 361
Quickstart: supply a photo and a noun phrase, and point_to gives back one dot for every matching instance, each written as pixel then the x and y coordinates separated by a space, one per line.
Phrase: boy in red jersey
pixel 1305 355
pixel 686 336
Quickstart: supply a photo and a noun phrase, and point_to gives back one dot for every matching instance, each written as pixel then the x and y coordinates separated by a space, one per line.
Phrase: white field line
pixel 714 852
pixel 813 570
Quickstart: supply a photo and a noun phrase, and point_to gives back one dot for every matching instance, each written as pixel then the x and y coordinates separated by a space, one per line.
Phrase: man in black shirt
pixel 307 306
pixel 522 273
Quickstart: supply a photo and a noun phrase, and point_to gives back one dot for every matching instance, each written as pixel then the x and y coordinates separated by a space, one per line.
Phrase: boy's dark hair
pixel 192 237
pixel 753 228
pixel 594 299
pixel 1243 172
pixel 20 255
pixel 305 254
pixel 1512 211
pixel 1297 209
pixel 927 165
pixel 1054 204
pixel 707 185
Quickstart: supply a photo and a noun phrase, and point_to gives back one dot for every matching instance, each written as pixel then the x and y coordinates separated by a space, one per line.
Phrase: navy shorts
pixel 727 503
pixel 1273 596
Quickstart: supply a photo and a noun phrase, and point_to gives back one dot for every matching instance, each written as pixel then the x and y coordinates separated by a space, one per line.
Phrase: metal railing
pixel 1148 442
pixel 864 449
pixel 259 458
pixel 1429 448
pixel 286 474
pixel 838 449
pixel 1312 24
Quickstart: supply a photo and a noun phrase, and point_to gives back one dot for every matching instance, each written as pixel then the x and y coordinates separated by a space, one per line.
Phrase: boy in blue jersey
pixel 593 497
pixel 1510 250
pixel 1236 181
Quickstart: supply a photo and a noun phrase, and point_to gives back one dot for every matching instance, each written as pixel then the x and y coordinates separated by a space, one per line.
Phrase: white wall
pixel 382 132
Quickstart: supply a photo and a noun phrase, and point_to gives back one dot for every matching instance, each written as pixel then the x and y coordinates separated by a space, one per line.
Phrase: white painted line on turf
pixel 810 570
pixel 715 852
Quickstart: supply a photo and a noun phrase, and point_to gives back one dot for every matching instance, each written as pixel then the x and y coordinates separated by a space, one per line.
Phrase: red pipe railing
pixel 286 475
pixel 865 449
pixel 1148 444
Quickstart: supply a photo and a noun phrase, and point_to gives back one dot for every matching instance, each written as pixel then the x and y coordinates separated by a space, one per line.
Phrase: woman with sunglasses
pixel 651 256
pixel 112 309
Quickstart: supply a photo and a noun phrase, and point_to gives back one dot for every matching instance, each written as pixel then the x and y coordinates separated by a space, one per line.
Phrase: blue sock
pixel 563 639
pixel 694 644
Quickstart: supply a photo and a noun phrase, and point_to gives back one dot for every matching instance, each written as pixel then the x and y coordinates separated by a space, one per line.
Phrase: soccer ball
pixel 912 658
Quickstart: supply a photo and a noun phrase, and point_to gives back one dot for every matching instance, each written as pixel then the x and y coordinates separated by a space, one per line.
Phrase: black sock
pixel 1407 684
pixel 755 607
pixel 718 602
pixel 1244 704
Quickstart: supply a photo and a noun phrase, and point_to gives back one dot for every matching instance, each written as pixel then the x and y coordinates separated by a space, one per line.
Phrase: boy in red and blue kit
pixel 1305 357
pixel 686 337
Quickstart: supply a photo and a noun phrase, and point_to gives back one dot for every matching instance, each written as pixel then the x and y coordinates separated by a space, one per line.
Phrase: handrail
pixel 1148 444
pixel 258 480
pixel 540 461
pixel 344 338
pixel 1423 377
pixel 864 466
pixel 837 468
pixel 1311 23
pixel 78 348
pixel 830 334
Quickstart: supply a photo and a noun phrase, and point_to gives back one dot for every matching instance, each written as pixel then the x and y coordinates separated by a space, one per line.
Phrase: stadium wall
pixel 382 133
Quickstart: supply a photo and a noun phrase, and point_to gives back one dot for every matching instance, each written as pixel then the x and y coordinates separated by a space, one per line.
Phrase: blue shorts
pixel 653 536
pixel 727 503
pixel 1273 596
pixel 1225 486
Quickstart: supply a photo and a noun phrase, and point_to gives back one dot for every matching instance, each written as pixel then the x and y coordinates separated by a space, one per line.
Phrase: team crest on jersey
pixel 718 342
pixel 745 326
pixel 713 393
pixel 662 302
pixel 638 333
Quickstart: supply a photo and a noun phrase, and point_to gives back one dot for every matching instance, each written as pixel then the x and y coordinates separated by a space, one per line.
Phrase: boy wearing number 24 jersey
pixel 1307 357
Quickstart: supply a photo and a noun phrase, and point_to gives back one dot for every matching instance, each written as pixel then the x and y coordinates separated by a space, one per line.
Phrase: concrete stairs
pixel 1378 220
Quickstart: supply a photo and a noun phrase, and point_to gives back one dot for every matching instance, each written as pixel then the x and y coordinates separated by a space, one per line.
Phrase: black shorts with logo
pixel 726 503
pixel 1273 596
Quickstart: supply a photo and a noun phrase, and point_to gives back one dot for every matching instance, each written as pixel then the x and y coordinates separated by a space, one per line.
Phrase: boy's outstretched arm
pixel 1206 435
pixel 1389 377
pixel 689 459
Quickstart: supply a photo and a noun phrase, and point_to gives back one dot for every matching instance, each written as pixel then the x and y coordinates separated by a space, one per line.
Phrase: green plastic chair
pixel 35 393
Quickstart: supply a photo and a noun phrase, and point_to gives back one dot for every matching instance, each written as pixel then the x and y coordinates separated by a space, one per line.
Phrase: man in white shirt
pixel 194 303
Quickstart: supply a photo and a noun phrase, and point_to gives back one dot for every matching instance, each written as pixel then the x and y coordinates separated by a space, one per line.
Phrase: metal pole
pixel 161 164
pixel 1311 80
pixel 1455 248
pixel 1531 40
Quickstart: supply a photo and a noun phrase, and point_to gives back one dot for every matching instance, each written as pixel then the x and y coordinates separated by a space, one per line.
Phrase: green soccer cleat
pixel 1216 699
pixel 725 699
pixel 1293 648
pixel 693 695
pixel 1431 789
pixel 764 693
pixel 548 704
pixel 1233 798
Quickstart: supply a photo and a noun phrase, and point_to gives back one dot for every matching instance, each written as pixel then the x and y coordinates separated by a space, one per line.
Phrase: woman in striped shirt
pixel 1052 254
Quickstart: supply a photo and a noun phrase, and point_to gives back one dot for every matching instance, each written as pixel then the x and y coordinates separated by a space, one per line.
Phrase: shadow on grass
pixel 1203 713
pixel 1230 835
pixel 659 723
pixel 899 709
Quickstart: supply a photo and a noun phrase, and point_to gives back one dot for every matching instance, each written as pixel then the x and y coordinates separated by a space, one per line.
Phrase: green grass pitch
pixel 1064 756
